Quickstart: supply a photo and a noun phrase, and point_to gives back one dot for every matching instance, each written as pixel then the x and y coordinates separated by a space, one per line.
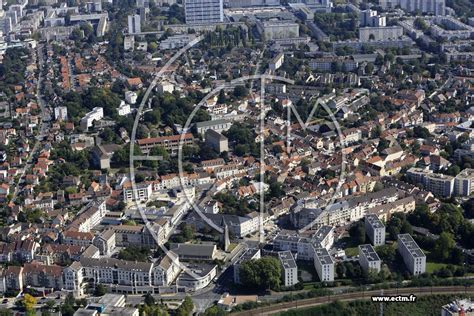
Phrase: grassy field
pixel 433 266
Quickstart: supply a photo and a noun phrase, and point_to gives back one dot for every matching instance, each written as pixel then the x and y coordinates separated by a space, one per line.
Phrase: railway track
pixel 309 302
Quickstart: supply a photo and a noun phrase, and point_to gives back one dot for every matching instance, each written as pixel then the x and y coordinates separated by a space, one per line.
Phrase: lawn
pixel 433 266
pixel 352 251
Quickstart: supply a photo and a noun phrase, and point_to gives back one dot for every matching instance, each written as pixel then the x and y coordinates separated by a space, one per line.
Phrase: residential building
pixel 413 256
pixel 436 183
pixel 368 258
pixel 140 192
pixel 324 265
pixel 437 7
pixel 204 12
pixel 375 229
pixel 464 182
pixel 134 24
pixel 216 140
pixel 170 143
pixel 60 113
pixel 96 114
pixel 289 269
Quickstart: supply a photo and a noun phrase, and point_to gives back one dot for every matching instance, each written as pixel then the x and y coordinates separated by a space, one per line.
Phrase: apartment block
pixel 289 270
pixel 204 12
pixel 324 265
pixel 368 258
pixel 413 256
pixel 375 229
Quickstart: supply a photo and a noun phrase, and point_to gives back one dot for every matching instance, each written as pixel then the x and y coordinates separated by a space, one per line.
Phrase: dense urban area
pixel 243 157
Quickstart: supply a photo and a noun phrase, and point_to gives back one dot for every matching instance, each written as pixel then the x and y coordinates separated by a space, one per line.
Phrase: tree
pixel 28 303
pixel 387 252
pixel 100 290
pixel 263 273
pixel 214 311
pixel 186 308
pixel 240 91
pixel 444 246
pixel 357 233
pixel 149 300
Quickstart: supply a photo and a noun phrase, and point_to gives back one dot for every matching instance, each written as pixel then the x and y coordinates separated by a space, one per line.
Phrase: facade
pixel 60 113
pixel 272 30
pixel 367 34
pixel 170 143
pixel 96 114
pixel 201 276
pixel 370 18
pixel 464 183
pixel 437 7
pixel 134 24
pixel 217 141
pixel 289 269
pixel 216 125
pixel 204 11
pixel 436 183
pixel 141 192
pixel 324 265
pixel 413 256
pixel 375 229
pixel 368 258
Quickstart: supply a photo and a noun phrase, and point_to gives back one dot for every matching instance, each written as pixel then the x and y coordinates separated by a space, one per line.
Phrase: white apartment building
pixel 368 258
pixel 141 192
pixel 204 12
pixel 120 276
pixel 131 97
pixel 324 265
pixel 413 256
pixel 436 183
pixel 164 273
pixel 289 269
pixel 96 114
pixel 304 247
pixel 124 109
pixel 134 24
pixel 60 113
pixel 375 229
pixel 464 183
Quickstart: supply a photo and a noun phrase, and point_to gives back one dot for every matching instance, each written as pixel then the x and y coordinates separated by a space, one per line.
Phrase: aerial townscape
pixel 236 157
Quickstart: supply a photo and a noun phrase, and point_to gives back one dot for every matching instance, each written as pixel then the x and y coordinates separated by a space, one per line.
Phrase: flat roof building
pixel 413 256
pixel 324 265
pixel 368 258
pixel 375 229
pixel 289 270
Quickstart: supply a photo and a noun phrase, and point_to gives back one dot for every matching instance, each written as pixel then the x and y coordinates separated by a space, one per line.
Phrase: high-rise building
pixel 134 24
pixel 204 11
pixel 437 7
pixel 371 18
pixel 413 256
pixel 375 229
